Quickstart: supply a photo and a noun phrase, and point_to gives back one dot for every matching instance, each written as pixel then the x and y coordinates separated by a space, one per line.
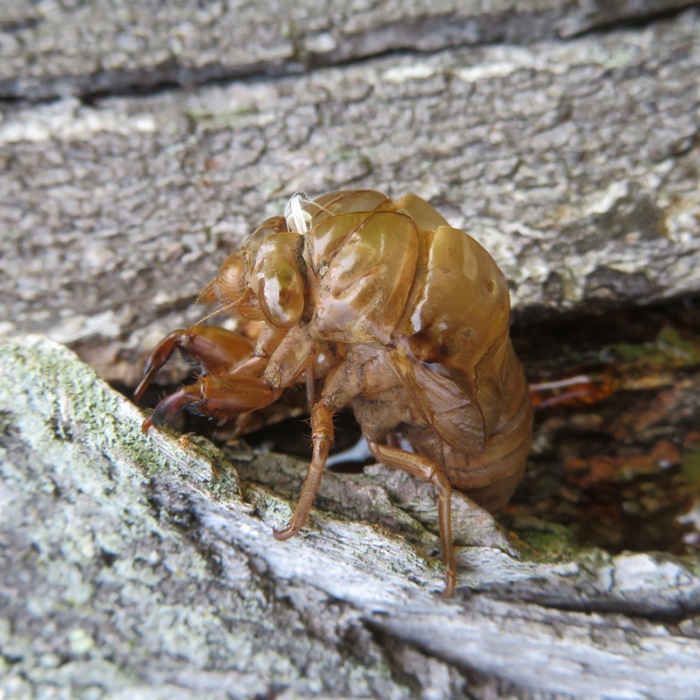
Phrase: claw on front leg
pixel 221 397
pixel 215 348
pixel 172 404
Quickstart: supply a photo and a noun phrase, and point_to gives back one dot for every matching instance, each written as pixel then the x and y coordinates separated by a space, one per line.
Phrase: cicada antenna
pixel 216 312
pixel 313 203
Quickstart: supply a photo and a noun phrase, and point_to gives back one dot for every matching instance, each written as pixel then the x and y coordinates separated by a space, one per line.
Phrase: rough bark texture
pixel 139 143
pixel 75 47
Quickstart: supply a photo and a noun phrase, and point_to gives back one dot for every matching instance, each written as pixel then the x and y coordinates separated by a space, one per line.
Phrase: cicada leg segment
pixel 429 471
pixel 216 349
pixel 220 396
pixel 322 437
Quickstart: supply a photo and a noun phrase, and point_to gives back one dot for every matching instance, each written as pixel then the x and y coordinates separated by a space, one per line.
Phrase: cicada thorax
pixel 348 202
pixel 364 264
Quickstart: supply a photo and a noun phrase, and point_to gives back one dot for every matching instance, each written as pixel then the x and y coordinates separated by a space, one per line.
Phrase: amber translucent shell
pixel 382 306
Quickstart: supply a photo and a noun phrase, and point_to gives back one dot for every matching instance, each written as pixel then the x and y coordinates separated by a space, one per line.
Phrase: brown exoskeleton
pixel 399 315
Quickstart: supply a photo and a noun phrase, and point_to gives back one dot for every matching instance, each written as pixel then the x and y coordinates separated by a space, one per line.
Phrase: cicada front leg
pixel 231 386
pixel 217 396
pixel 216 349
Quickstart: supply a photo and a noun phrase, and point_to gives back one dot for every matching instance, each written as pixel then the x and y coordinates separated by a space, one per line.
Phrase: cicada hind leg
pixel 426 470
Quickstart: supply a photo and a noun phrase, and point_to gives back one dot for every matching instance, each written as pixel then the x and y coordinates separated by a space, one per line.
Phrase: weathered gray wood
pixel 143 564
pixel 575 163
pixel 55 49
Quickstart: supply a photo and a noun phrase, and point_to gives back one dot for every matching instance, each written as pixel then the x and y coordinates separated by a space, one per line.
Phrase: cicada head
pixel 264 280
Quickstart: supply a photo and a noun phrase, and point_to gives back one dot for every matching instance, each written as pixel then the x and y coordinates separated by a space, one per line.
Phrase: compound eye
pixel 281 296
